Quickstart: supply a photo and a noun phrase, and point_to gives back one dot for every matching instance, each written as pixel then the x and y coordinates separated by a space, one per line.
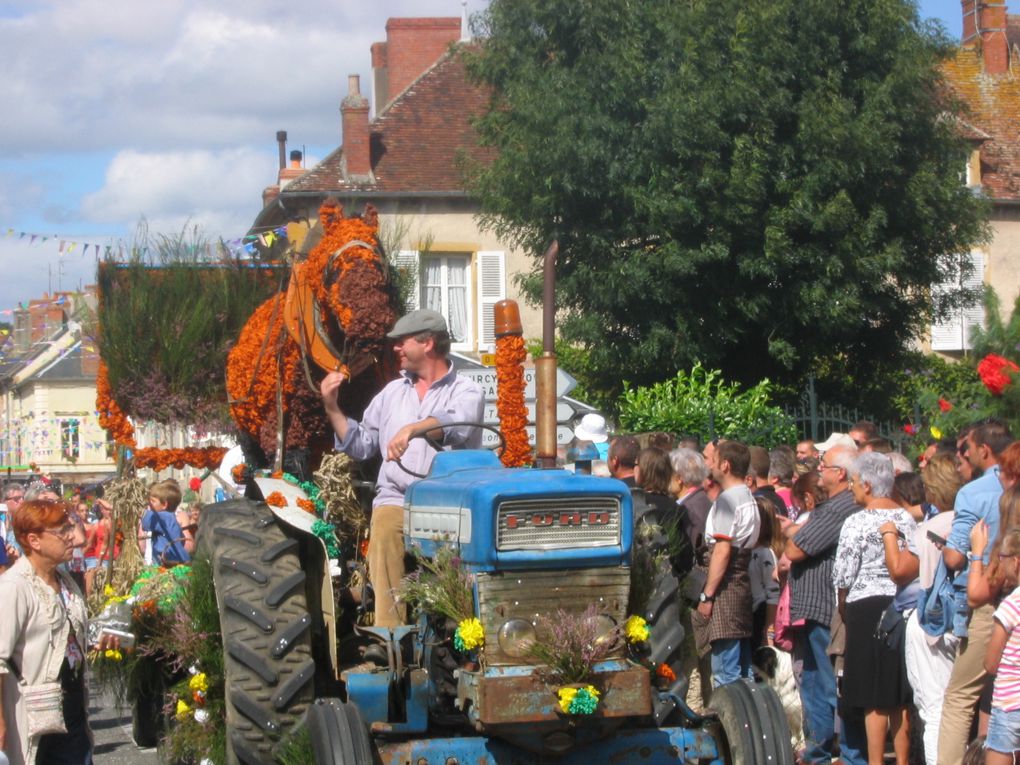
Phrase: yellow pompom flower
pixel 636 629
pixel 198 682
pixel 183 710
pixel 936 433
pixel 113 654
pixel 469 636
pixel 566 696
pixel 108 592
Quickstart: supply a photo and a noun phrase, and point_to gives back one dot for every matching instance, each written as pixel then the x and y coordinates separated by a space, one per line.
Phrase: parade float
pixel 546 615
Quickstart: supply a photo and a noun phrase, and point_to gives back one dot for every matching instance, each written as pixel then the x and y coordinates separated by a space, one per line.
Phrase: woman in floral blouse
pixel 874 677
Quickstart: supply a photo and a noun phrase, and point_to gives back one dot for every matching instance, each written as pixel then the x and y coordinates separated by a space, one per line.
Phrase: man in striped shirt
pixel 811 549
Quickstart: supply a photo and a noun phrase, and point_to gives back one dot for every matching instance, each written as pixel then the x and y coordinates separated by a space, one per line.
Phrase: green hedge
pixel 700 403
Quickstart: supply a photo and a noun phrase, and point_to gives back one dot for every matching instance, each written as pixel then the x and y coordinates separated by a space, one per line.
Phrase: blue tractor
pixel 534 542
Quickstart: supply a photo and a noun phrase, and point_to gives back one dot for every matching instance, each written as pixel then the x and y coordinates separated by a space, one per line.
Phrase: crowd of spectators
pixel 893 586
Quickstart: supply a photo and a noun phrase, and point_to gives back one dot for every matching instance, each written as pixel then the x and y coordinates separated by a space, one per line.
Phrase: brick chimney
pixel 45 318
pixel 288 174
pixel 357 149
pixel 411 47
pixel 984 24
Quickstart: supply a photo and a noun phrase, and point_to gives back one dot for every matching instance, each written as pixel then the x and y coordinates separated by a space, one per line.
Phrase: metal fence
pixel 817 420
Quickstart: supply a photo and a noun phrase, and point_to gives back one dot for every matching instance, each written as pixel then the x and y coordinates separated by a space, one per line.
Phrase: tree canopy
pixel 756 185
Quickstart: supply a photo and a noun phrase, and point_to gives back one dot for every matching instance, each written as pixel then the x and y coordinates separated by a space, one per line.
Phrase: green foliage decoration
pixel 751 184
pixel 167 316
pixel 700 403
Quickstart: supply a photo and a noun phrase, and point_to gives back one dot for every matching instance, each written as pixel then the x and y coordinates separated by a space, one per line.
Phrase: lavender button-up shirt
pixel 451 398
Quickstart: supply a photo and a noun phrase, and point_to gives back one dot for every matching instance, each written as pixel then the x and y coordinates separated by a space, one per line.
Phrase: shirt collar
pixel 410 378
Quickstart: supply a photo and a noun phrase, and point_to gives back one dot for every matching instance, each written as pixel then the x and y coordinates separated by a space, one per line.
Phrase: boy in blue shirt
pixel 160 520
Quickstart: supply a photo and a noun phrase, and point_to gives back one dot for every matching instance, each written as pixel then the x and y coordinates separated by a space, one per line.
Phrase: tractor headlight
pixel 516 637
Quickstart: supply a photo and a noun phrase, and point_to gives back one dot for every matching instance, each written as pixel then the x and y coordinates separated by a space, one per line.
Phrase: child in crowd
pixel 160 520
pixel 764 576
pixel 1003 660
pixel 188 518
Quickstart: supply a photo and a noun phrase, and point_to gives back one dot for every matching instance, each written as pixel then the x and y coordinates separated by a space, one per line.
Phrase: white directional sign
pixel 487 379
pixel 564 412
pixel 564 435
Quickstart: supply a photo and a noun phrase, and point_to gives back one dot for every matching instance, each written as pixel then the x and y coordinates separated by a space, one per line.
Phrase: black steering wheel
pixel 439 447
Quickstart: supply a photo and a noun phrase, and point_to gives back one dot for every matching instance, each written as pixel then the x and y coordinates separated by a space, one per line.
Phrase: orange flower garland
pixel 306 504
pixel 160 459
pixel 513 414
pixel 252 366
pixel 111 416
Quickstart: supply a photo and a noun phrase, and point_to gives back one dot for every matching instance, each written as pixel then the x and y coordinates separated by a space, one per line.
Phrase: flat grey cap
pixel 422 320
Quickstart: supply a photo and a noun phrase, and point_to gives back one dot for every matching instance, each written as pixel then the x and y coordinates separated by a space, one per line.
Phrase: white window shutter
pixel 491 289
pixel 407 260
pixel 953 334
pixel 974 314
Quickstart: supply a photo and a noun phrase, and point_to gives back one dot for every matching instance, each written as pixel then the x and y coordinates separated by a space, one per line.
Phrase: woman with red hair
pixel 43 640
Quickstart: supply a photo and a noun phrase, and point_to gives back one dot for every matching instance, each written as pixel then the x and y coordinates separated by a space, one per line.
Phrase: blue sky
pixel 117 110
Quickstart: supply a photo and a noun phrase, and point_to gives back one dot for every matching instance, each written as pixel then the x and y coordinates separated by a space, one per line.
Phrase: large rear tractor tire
pixel 264 622
pixel 339 734
pixel 752 725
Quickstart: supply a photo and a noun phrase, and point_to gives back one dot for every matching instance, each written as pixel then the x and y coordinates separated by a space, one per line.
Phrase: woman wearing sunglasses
pixel 43 645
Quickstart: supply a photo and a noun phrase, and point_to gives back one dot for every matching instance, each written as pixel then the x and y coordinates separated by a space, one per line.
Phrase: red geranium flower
pixel 195 483
pixel 944 405
pixel 909 429
pixel 996 373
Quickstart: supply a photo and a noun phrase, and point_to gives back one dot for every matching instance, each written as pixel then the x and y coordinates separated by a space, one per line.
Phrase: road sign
pixel 564 435
pixel 487 379
pixel 564 412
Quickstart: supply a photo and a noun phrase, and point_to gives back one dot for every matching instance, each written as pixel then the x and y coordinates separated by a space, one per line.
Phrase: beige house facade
pixel 48 422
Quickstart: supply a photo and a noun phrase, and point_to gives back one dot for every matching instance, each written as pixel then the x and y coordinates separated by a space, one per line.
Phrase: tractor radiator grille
pixel 531 594
pixel 555 524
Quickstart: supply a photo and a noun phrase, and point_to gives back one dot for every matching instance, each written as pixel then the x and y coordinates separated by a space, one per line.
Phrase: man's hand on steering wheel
pixel 398 444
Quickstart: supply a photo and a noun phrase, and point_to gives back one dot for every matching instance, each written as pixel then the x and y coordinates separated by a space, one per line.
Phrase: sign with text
pixel 564 412
pixel 487 379
pixel 564 435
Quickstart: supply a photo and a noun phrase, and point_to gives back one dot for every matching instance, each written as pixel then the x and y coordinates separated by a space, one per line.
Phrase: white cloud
pixel 218 190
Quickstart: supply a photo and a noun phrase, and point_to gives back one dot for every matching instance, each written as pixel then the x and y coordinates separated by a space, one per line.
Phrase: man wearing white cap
pixel 835 439
pixel 427 397
pixel 593 428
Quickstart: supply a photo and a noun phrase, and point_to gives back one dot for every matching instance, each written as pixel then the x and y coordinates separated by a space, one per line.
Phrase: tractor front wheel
pixel 339 734
pixel 753 726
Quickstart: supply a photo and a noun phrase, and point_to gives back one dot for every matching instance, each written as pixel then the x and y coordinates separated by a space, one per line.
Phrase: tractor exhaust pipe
pixel 545 367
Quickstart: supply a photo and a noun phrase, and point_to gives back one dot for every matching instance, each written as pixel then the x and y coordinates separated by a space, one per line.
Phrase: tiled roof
pixel 993 104
pixel 419 142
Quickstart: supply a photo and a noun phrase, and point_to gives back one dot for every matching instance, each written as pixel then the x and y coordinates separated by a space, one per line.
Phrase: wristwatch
pixel 703 598
pixel 974 556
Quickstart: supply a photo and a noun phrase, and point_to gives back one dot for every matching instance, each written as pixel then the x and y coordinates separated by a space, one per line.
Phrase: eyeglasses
pixel 15 498
pixel 64 531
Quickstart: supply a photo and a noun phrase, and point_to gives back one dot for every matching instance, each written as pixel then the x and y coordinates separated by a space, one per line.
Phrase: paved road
pixel 112 729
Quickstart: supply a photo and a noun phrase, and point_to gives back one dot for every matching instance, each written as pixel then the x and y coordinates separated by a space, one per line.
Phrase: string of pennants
pixel 238 247
pixel 44 436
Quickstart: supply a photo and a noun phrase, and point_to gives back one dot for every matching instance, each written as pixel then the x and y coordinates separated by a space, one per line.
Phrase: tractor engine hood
pixel 519 518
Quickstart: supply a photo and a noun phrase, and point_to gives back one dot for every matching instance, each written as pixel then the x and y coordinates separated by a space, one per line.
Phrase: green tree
pixel 749 184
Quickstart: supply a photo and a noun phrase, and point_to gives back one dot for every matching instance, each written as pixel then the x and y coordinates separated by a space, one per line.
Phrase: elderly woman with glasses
pixel 874 675
pixel 43 639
